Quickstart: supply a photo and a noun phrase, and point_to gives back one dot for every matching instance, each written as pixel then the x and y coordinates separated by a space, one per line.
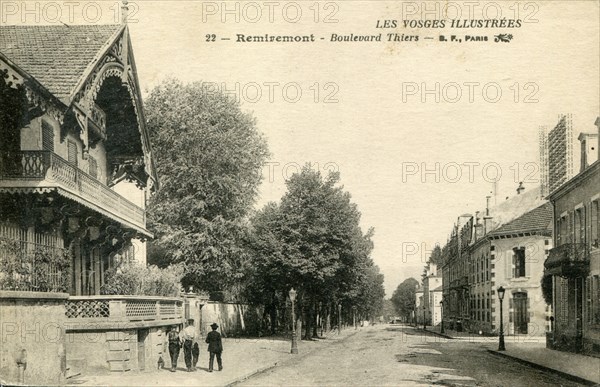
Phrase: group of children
pixel 191 349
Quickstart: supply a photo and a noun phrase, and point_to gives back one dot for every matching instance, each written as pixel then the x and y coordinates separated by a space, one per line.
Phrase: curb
pixel 435 333
pixel 251 374
pixel 531 364
pixel 279 363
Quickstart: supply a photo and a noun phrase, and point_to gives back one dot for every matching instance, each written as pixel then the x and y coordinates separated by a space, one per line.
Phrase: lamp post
pixel 354 316
pixel 442 313
pixel 294 350
pixel 501 346
pixel 339 318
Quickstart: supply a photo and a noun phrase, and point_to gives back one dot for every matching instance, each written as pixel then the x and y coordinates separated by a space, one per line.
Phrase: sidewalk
pixel 583 369
pixel 531 350
pixel 242 358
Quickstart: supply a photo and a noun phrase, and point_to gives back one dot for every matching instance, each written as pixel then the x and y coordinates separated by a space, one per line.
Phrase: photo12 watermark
pixel 253 12
pixel 276 91
pixel 68 12
pixel 273 170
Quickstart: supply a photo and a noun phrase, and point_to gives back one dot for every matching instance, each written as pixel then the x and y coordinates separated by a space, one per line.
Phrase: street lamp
pixel 354 316
pixel 501 346
pixel 442 313
pixel 294 350
pixel 339 318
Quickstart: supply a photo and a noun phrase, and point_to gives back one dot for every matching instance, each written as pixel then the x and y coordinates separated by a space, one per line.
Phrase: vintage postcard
pixel 304 192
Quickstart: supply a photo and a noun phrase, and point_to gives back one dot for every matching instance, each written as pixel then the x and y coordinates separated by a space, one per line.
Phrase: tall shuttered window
pixel 519 262
pixel 595 224
pixel 596 299
pixel 47 137
pixel 72 152
pixel 93 167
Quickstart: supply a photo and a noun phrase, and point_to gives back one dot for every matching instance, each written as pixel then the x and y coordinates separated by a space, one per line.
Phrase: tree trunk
pixel 309 322
pixel 273 315
pixel 315 332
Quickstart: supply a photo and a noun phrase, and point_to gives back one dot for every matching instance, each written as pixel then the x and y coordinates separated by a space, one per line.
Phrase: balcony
pixel 110 312
pixel 44 170
pixel 462 282
pixel 569 260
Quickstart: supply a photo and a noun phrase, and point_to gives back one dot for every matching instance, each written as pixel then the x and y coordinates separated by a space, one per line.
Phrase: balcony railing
pixel 94 312
pixel 567 259
pixel 47 167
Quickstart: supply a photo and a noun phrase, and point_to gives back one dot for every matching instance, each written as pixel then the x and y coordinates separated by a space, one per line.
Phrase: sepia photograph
pixel 299 193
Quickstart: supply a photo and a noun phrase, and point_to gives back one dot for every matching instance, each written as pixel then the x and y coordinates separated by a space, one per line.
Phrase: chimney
pixel 520 188
pixel 124 11
pixel 487 218
pixel 589 153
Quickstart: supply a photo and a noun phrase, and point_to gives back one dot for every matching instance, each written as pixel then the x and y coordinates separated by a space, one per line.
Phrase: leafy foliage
pixel 137 279
pixel 546 285
pixel 209 157
pixel 312 241
pixel 404 297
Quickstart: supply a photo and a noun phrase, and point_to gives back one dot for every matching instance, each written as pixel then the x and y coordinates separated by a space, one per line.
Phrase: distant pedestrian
pixel 188 336
pixel 215 347
pixel 174 346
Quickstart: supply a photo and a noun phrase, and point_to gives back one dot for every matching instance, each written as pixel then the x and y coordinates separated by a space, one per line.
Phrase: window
pixel 588 300
pixel 595 226
pixel 519 262
pixel 579 225
pixel 93 167
pixel 596 299
pixel 47 136
pixel 72 152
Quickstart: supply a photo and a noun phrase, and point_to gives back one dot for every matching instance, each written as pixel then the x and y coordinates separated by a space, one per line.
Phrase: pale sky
pixel 377 129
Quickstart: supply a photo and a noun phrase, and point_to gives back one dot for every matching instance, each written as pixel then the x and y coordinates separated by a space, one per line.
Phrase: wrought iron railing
pixel 46 165
pixel 26 266
pixel 573 253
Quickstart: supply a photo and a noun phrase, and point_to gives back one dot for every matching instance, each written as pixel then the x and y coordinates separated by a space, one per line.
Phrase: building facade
pixel 505 247
pixel 73 136
pixel 573 265
pixel 431 299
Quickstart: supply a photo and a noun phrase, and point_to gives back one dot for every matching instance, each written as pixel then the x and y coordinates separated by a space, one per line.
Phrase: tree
pixel 436 255
pixel 312 241
pixel 404 297
pixel 209 157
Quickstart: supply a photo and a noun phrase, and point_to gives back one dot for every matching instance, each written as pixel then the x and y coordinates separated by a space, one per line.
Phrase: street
pixel 401 355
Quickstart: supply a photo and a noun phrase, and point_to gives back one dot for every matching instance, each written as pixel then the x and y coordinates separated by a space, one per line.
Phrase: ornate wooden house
pixel 72 128
pixel 72 138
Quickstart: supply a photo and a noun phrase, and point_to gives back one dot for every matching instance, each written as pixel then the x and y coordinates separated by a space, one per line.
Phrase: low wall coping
pixel 123 297
pixel 17 294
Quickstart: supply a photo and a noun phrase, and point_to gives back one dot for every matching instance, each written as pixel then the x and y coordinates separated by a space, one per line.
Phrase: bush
pixel 135 279
pixel 546 284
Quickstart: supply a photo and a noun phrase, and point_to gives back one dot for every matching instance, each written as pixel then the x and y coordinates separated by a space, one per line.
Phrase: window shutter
pixel 47 137
pixel 510 263
pixel 93 167
pixel 72 152
pixel 531 253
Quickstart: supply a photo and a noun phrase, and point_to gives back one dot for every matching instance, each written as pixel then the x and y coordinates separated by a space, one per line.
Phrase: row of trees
pixel 312 241
pixel 209 157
